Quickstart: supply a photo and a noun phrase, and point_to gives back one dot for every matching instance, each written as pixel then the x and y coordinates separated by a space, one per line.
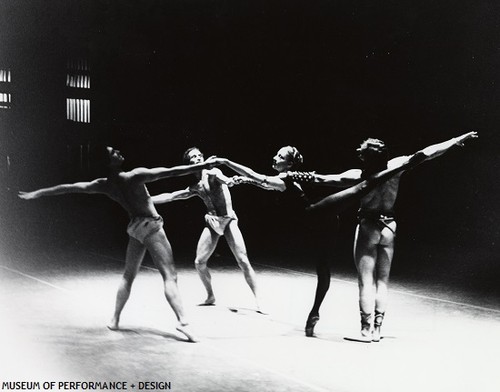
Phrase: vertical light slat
pixel 72 110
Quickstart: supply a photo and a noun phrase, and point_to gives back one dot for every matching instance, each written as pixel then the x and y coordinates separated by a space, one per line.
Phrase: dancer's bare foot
pixel 210 301
pixel 185 329
pixel 113 325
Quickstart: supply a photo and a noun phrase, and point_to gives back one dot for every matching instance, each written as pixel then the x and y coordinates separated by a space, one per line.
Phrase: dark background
pixel 241 79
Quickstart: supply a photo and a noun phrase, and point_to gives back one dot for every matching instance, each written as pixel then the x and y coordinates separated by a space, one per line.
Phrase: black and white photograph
pixel 227 195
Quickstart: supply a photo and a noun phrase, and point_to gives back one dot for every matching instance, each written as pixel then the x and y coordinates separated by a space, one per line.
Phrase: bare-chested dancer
pixel 145 229
pixel 376 230
pixel 221 220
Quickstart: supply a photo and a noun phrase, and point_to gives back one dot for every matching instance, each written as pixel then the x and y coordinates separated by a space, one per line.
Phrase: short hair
pixel 375 154
pixel 185 156
pixel 375 145
pixel 294 156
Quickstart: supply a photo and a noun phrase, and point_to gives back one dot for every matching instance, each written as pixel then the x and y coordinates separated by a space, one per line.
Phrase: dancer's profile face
pixel 115 157
pixel 195 156
pixel 282 160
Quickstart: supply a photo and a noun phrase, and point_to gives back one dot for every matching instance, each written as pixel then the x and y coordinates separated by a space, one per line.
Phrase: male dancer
pixel 145 229
pixel 212 188
pixel 376 229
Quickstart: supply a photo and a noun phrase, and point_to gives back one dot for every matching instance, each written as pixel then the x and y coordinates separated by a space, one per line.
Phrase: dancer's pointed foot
pixel 186 330
pixel 113 325
pixel 310 324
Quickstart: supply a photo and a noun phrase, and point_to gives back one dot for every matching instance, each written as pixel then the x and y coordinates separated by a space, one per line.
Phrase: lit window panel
pixel 78 110
pixel 5 100
pixel 5 75
pixel 78 74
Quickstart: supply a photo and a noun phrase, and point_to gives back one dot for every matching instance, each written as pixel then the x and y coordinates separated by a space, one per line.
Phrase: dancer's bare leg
pixel 383 268
pixel 206 246
pixel 365 258
pixel 161 253
pixel 237 245
pixel 133 260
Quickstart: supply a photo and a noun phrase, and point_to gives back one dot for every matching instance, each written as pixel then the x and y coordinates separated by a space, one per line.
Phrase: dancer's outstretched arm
pixel 249 176
pixel 341 180
pixel 146 175
pixel 339 201
pixel 439 149
pixel 167 197
pixel 96 186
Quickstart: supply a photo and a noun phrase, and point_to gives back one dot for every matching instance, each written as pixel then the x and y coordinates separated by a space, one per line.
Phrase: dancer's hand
pixel 213 161
pixel 230 182
pixel 459 141
pixel 27 195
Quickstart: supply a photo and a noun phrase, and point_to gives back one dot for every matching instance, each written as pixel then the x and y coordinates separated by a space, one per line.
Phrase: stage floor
pixel 55 304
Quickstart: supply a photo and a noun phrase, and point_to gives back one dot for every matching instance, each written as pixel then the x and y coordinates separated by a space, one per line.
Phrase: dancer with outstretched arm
pixel 145 230
pixel 212 186
pixel 376 229
pixel 318 230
